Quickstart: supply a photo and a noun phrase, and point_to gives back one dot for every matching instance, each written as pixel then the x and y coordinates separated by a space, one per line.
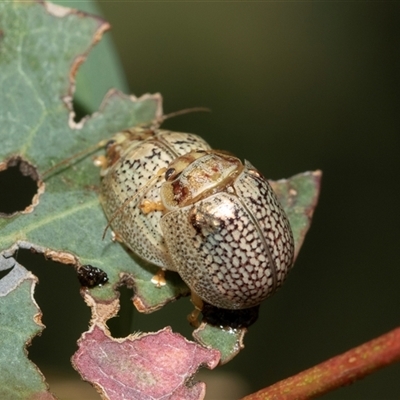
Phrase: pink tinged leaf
pixel 154 366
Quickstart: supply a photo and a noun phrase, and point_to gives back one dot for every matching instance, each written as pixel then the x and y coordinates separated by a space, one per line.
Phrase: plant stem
pixel 336 372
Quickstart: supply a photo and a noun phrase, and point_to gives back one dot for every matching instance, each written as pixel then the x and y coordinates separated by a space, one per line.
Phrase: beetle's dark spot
pixel 19 185
pixel 230 318
pixel 194 220
pixel 109 143
pixel 180 192
pixel 90 276
pixel 169 173
pixel 203 222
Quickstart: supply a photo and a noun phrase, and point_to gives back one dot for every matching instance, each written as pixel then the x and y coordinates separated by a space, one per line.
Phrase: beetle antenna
pixel 82 153
pixel 156 122
pixel 160 120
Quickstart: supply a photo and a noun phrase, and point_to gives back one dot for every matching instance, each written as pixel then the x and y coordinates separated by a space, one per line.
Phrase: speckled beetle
pixel 184 207
pixel 132 174
pixel 203 213
pixel 227 235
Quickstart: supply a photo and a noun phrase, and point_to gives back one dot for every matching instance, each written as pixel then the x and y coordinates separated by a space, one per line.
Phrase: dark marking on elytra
pixel 180 191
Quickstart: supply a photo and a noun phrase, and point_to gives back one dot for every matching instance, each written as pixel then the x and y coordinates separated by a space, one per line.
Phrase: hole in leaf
pixel 79 110
pixel 121 325
pixel 19 183
pixel 5 272
pixel 65 316
pixel 129 320
pixel 173 314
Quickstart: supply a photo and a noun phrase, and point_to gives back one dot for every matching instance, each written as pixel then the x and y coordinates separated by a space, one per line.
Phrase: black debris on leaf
pixel 90 276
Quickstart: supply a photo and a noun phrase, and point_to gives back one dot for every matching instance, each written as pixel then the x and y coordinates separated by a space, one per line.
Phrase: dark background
pixel 292 87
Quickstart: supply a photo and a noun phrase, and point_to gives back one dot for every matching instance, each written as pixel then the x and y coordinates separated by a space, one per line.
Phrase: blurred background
pixel 293 86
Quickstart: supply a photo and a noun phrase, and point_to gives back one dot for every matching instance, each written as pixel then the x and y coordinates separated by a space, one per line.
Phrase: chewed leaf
pixel 227 340
pixel 299 197
pixel 102 70
pixel 20 322
pixel 65 220
pixel 153 366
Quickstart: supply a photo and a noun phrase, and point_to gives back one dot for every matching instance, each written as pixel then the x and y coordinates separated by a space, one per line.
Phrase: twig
pixel 336 372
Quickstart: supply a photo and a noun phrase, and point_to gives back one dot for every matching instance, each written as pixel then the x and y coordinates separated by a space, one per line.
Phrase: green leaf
pixel 299 197
pixel 20 322
pixel 67 222
pixel 227 340
pixel 101 71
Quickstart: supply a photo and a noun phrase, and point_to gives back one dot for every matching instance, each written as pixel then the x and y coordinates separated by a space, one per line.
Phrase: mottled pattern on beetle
pixel 135 170
pixel 219 252
pixel 271 218
pixel 182 143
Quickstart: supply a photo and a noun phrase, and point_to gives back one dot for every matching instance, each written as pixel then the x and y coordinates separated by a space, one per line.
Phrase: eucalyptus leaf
pixel 41 47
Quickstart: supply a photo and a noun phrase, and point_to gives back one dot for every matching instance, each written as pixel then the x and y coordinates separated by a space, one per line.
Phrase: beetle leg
pixel 148 206
pixel 198 306
pixel 100 161
pixel 116 238
pixel 159 278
